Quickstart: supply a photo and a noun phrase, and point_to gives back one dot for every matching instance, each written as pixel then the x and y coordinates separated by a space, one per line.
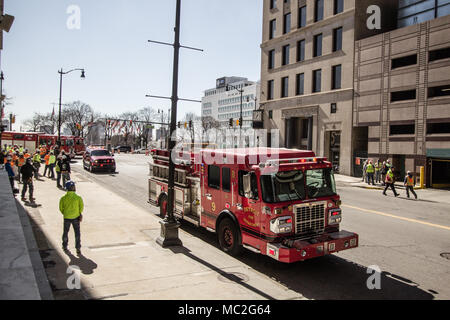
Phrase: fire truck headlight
pixel 281 225
pixel 334 216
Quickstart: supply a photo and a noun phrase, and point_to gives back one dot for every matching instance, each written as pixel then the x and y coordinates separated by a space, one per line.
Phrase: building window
pixel 284 87
pixel 402 129
pixel 317 81
pixel 270 114
pixel 441 91
pixel 300 84
pixel 404 61
pixel 271 59
pixel 270 88
pixel 338 6
pixel 439 54
pixel 273 4
pixel 214 177
pixel 336 78
pixel 302 17
pixel 226 179
pixel 317 45
pixel 287 23
pixel 272 28
pixel 305 128
pixel 438 128
pixel 285 59
pixel 403 95
pixel 333 108
pixel 300 50
pixel 318 11
pixel 337 39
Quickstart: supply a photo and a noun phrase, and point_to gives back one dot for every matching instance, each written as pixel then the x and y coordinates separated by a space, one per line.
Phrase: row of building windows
pixel 235 115
pixel 236 107
pixel 237 99
pixel 207 112
pixel 433 92
pixel 434 55
pixel 317 49
pixel 336 83
pixel 410 129
pixel 302 16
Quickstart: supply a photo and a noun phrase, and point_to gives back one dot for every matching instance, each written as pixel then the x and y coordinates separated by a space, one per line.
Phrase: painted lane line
pixel 398 217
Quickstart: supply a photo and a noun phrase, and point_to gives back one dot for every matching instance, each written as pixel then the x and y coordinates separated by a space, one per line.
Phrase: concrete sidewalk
pixel 434 195
pixel 22 276
pixel 121 259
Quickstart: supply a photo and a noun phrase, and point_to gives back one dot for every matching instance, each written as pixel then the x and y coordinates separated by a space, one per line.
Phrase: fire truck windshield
pixel 295 185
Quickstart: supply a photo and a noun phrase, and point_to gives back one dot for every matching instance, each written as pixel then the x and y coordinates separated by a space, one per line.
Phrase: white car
pixel 141 150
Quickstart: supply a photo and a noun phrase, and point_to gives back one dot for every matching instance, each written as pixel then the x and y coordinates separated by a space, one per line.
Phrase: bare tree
pixel 34 123
pixel 77 115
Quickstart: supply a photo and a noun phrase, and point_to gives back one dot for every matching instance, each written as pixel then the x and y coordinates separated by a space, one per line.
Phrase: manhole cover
pixel 233 277
pixel 446 255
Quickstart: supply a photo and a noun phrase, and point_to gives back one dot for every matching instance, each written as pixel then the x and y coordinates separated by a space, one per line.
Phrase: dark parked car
pixel 122 149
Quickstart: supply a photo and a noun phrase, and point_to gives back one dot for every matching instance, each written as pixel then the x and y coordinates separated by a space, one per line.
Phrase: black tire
pixel 163 200
pixel 229 239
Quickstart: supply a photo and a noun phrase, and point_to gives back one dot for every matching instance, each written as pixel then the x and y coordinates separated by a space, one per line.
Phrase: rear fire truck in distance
pixel 276 202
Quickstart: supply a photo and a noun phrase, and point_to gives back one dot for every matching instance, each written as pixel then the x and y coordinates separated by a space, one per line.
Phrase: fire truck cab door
pixel 249 200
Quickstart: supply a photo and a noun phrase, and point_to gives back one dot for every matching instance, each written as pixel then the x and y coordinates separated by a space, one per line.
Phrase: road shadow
pixel 326 278
pixel 56 265
pixel 87 266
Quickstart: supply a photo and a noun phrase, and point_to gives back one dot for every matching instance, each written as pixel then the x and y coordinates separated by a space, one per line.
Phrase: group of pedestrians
pixel 384 173
pixel 21 165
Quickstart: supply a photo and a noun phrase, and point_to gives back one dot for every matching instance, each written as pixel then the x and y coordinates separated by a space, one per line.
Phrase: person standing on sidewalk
pixel 390 180
pixel 71 206
pixel 58 171
pixel 377 171
pixel 64 166
pixel 36 163
pixel 10 171
pixel 364 179
pixel 409 184
pixel 51 162
pixel 370 173
pixel 20 163
pixel 47 165
pixel 27 171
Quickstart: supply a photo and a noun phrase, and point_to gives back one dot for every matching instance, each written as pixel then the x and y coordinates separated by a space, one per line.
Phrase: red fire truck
pixel 276 202
pixel 72 145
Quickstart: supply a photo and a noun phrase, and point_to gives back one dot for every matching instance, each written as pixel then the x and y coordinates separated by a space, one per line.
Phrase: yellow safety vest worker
pixel 390 176
pixel 370 168
pixel 409 181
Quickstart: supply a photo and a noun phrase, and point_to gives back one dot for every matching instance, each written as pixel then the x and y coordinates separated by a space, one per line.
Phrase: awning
pixel 438 153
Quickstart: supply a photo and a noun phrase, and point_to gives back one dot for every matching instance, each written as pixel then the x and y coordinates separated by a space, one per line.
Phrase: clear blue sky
pixel 121 66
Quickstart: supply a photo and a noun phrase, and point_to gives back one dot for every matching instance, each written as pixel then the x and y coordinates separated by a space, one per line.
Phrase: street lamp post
pixel 61 73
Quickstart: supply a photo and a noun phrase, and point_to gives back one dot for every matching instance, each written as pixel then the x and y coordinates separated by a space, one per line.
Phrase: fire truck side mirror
pixel 247 184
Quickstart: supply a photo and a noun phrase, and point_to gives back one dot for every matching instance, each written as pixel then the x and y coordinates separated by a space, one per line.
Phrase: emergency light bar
pixel 277 162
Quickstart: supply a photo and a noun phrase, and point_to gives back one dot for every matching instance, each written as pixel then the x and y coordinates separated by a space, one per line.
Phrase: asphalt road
pixel 407 240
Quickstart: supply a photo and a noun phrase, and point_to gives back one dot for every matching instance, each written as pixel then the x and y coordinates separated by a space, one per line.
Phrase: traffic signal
pixel 190 124
pixel 2 128
pixel 237 122
pixel 185 125
pixel 230 123
pixel 179 124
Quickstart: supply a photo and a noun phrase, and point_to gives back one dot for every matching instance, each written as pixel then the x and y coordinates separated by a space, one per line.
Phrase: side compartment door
pixel 211 196
pixel 251 205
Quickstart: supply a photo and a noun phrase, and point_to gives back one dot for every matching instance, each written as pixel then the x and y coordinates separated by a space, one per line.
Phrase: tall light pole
pixel 61 73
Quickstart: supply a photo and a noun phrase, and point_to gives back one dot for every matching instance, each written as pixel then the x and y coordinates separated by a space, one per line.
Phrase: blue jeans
pixel 76 227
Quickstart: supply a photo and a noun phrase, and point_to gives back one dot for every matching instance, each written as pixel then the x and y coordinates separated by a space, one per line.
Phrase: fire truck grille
pixel 310 218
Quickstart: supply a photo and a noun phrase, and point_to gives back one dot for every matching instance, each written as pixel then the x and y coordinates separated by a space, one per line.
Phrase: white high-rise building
pixel 223 102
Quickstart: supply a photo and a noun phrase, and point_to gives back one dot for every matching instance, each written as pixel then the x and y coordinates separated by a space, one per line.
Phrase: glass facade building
pixel 412 12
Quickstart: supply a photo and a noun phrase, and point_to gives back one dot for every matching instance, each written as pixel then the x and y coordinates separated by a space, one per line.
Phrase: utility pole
pixel 169 226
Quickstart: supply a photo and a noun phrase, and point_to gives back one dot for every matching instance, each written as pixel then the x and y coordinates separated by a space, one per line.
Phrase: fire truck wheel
pixel 163 206
pixel 229 237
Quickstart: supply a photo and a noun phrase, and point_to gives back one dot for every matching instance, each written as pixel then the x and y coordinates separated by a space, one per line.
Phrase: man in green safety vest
pixel 36 163
pixel 71 206
pixel 370 170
